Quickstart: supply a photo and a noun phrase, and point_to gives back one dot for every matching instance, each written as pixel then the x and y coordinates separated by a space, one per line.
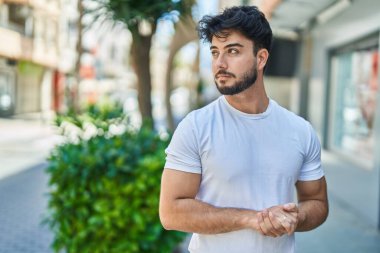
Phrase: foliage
pixel 104 190
pixel 132 13
pixel 95 119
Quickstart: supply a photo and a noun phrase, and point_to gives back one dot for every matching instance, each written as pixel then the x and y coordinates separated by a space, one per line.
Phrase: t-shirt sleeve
pixel 183 153
pixel 312 167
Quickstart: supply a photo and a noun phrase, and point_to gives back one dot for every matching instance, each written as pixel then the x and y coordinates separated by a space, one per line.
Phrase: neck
pixel 253 100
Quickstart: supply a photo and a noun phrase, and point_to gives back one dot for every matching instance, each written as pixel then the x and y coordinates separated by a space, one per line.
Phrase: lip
pixel 223 76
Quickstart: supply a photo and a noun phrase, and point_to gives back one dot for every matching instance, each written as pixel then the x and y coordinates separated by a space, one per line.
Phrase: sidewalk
pixel 23 204
pixel 24 146
pixel 343 231
pixel 24 143
pixel 349 227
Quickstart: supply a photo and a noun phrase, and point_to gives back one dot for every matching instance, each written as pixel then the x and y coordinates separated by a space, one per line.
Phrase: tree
pixel 140 17
pixel 184 33
pixel 74 98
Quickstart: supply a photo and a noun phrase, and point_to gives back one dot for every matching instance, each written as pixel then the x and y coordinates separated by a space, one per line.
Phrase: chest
pixel 245 151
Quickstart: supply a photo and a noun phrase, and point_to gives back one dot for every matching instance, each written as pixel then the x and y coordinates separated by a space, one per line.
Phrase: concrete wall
pixel 283 90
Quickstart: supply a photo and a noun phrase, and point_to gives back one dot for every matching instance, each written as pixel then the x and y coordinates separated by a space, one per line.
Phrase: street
pixel 22 208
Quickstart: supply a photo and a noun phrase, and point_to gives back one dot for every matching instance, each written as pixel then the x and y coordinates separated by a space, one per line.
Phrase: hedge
pixel 104 186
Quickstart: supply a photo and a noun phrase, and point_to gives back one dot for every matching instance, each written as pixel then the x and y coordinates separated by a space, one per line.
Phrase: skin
pixel 232 58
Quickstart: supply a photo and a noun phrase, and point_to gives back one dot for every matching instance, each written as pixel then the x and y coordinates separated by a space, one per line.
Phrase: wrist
pixel 250 220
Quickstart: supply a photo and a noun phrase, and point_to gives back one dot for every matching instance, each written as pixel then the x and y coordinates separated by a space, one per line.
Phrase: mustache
pixel 224 72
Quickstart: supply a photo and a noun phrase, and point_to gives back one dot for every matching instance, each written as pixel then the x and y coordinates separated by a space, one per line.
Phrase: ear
pixel 262 58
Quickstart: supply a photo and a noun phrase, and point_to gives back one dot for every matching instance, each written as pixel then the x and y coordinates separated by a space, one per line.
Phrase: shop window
pixel 7 92
pixel 3 15
pixel 355 82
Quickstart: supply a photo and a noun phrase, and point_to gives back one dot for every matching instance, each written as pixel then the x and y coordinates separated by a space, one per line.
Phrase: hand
pixel 278 220
pixel 292 208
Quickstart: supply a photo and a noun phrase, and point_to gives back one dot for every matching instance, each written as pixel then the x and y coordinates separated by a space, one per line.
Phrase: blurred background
pixel 59 56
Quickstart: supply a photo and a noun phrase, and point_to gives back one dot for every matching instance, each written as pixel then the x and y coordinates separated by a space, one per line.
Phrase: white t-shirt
pixel 249 161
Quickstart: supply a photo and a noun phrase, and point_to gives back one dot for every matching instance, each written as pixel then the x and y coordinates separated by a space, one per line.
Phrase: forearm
pixel 312 213
pixel 191 215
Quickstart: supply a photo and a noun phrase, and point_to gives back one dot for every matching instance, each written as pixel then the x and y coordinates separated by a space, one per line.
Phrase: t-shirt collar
pixel 248 115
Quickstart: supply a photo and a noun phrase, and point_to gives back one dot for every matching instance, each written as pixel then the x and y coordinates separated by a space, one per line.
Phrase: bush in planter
pixel 104 190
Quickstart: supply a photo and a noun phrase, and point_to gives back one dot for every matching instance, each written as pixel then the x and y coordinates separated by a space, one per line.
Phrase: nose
pixel 220 62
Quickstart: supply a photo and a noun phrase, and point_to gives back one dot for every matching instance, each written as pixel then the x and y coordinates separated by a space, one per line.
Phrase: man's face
pixel 233 63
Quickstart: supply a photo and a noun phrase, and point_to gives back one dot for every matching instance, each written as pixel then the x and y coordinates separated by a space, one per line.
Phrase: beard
pixel 247 80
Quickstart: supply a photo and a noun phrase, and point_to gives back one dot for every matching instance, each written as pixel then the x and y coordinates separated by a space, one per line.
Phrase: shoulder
pixel 203 115
pixel 291 119
pixel 208 109
pixel 294 124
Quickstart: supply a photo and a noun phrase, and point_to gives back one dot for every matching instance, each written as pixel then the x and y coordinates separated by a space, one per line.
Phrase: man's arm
pixel 179 210
pixel 313 204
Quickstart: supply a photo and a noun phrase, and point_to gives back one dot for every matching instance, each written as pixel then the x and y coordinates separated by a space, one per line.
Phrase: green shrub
pixel 104 190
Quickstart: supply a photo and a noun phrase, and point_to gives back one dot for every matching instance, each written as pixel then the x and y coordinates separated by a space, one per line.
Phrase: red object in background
pixel 374 72
pixel 58 90
pixel 368 92
pixel 87 72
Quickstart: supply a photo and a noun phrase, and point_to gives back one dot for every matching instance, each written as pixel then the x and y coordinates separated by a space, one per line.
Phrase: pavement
pixel 350 226
pixel 25 144
pixel 23 204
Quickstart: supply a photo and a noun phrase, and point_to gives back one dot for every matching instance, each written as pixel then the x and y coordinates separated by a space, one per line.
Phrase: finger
pixel 290 207
pixel 291 212
pixel 281 216
pixel 263 227
pixel 261 224
pixel 271 230
pixel 292 217
pixel 294 225
pixel 284 224
pixel 289 225
pixel 291 229
pixel 276 222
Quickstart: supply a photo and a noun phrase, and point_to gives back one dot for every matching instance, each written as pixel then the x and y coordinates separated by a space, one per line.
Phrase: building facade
pixel 35 34
pixel 345 77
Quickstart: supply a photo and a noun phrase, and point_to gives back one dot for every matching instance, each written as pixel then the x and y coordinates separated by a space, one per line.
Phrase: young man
pixel 232 166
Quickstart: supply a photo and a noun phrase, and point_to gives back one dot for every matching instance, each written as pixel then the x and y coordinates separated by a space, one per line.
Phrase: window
pixel 355 86
pixel 18 14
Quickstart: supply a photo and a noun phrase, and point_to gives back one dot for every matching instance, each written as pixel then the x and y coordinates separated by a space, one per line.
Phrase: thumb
pixel 290 207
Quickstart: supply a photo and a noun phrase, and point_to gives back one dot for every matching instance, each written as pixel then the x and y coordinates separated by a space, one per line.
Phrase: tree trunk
pixel 168 90
pixel 75 90
pixel 184 33
pixel 141 62
pixel 200 88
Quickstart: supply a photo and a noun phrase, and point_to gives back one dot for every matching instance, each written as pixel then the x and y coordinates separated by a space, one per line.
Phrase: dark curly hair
pixel 248 20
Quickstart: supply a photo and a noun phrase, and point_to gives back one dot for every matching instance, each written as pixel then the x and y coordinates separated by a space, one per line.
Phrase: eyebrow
pixel 228 46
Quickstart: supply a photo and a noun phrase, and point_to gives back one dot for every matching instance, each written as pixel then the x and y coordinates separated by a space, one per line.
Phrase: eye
pixel 214 54
pixel 233 51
